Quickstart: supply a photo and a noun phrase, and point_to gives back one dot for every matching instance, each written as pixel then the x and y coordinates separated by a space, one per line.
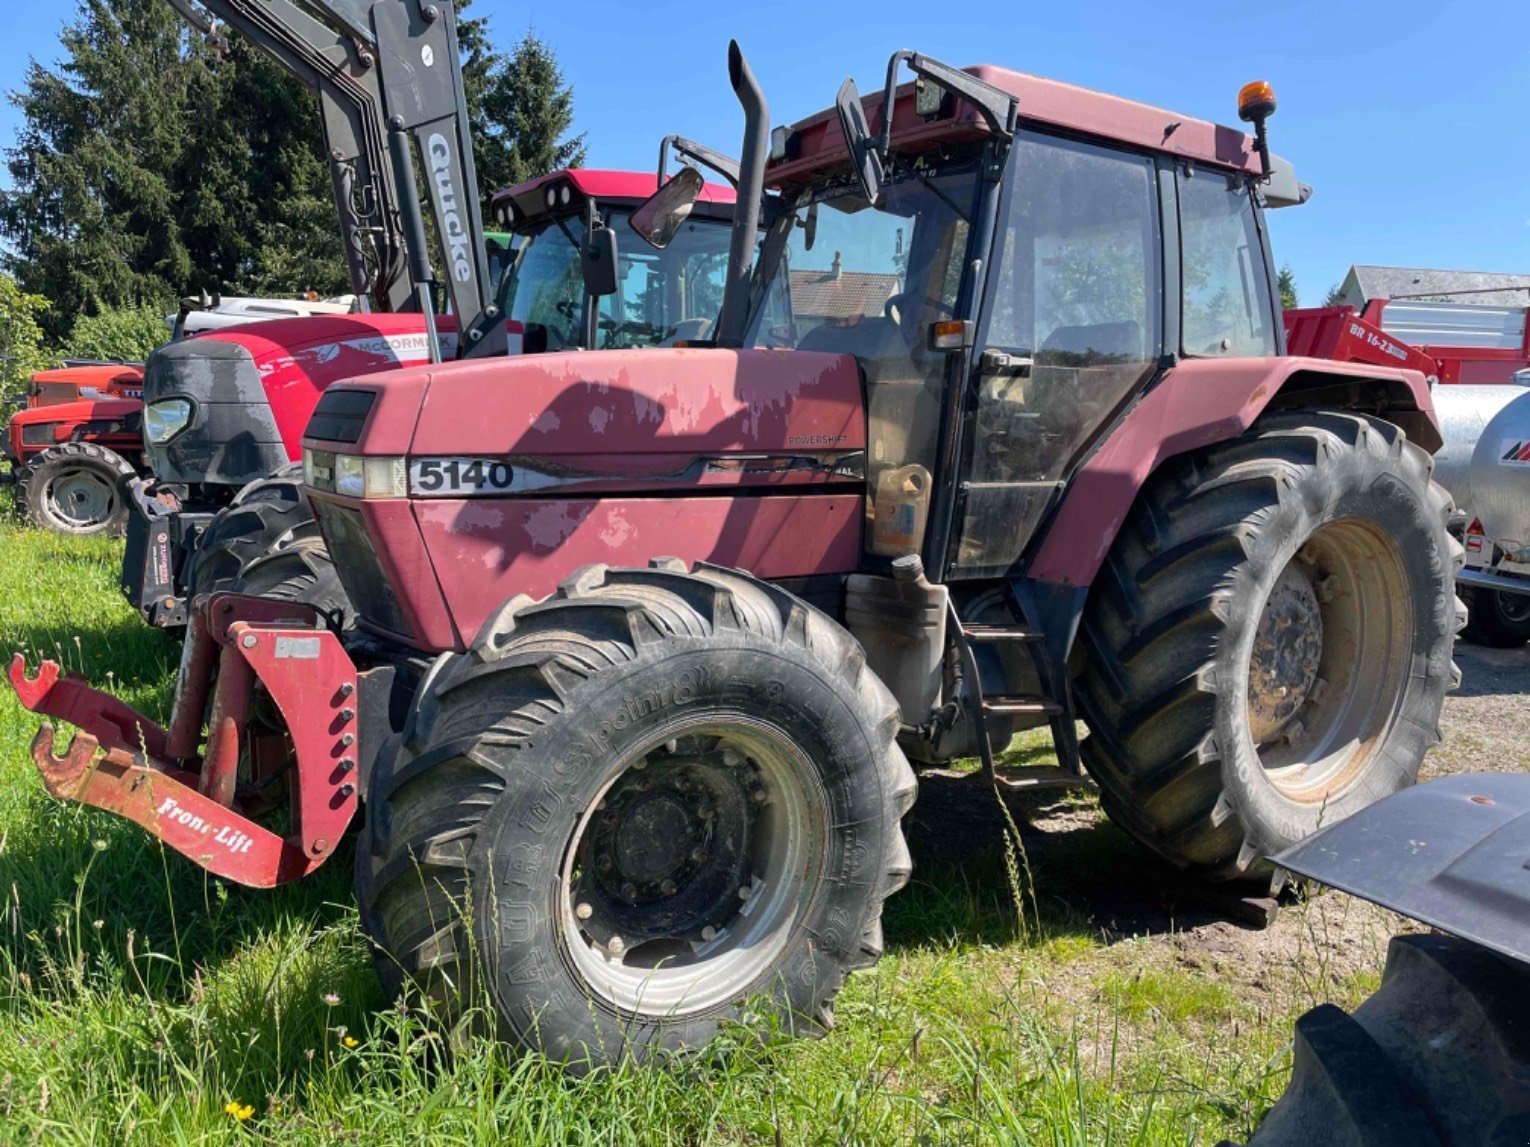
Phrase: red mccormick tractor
pixel 226 411
pixel 995 431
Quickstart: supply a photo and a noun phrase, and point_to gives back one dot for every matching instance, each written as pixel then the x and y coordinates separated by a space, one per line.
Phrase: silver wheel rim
pixel 718 954
pixel 1329 661
pixel 79 499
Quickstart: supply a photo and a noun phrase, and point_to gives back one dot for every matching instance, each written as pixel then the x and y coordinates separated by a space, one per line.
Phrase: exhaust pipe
pixel 733 323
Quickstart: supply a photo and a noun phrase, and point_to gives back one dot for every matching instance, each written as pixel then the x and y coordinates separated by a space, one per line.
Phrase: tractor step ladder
pixel 1053 703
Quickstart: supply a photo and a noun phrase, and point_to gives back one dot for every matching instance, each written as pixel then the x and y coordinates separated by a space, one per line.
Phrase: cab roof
pixel 629 188
pixel 817 142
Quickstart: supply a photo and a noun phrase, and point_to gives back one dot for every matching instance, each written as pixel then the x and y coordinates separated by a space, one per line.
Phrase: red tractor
pixel 995 430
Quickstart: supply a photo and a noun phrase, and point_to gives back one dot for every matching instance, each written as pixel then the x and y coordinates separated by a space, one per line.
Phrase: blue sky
pixel 1408 118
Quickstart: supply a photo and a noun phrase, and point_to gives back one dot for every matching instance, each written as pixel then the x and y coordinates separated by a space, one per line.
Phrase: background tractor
pixel 995 428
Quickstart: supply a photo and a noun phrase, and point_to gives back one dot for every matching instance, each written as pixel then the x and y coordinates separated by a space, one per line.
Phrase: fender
pixel 1198 403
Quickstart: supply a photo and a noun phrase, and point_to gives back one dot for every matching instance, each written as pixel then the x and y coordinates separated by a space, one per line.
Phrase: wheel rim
pixel 691 871
pixel 1329 660
pixel 79 499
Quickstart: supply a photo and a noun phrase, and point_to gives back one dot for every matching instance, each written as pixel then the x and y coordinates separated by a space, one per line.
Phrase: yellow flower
pixel 350 1041
pixel 240 1111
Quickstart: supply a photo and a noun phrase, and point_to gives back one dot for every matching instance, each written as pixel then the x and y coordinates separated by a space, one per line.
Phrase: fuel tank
pixel 1485 462
pixel 499 477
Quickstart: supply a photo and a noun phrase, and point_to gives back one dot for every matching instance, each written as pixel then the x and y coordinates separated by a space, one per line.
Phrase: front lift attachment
pixel 194 798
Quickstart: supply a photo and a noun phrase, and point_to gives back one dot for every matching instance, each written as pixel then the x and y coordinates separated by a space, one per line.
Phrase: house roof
pixel 1452 286
pixel 827 295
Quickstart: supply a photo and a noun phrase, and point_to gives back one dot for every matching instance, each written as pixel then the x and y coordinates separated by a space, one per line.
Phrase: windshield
pixel 845 277
pixel 661 298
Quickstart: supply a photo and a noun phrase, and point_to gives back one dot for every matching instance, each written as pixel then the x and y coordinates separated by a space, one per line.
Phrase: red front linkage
pixel 197 804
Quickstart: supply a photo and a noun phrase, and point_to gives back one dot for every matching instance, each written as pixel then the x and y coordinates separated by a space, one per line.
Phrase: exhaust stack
pixel 732 324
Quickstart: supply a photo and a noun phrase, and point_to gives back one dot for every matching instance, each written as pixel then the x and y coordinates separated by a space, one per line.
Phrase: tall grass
pixel 141 1002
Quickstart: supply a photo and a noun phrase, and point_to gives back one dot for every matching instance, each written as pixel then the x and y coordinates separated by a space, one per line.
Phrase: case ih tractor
pixel 996 430
pixel 225 413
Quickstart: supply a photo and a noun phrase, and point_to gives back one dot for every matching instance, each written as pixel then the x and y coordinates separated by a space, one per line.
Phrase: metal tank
pixel 1500 478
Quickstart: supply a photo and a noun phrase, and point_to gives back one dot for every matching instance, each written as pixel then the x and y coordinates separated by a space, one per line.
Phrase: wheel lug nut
pixel 645 786
pixel 698 856
pixel 610 820
pixel 584 911
pixel 758 796
pixel 745 892
pixel 616 946
pixel 709 933
pixel 732 757
pixel 668 888
pixel 629 891
pixel 603 864
pixel 706 813
pixel 640 764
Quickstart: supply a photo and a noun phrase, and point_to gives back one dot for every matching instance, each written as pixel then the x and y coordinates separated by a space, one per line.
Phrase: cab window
pixel 1227 305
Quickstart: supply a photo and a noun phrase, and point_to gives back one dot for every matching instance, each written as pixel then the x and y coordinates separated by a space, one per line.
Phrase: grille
pixel 360 572
pixel 340 415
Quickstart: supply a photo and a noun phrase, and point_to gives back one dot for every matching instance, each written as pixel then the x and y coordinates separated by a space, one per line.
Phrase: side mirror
pixel 659 217
pixel 597 259
pixel 864 155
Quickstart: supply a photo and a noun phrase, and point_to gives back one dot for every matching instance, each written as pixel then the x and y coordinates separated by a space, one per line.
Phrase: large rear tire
pixel 1269 644
pixel 1438 1057
pixel 76 488
pixel 633 806
pixel 1498 620
pixel 266 543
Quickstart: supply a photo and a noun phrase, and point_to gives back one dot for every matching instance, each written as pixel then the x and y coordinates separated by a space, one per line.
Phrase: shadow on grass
pixel 1086 878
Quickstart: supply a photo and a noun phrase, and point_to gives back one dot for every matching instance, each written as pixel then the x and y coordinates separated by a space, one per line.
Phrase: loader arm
pixel 389 78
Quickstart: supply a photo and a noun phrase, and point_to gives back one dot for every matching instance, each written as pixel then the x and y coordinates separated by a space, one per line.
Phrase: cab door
pixel 1070 328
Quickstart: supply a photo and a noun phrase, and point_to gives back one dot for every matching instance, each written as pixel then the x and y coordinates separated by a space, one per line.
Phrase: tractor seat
pixel 1116 341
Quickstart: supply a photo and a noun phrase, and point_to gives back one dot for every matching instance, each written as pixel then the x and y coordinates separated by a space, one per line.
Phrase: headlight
pixel 164 419
pixel 381 477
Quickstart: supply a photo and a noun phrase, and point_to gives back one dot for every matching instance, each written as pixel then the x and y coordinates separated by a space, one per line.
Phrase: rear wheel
pixel 266 543
pixel 76 488
pixel 632 807
pixel 1500 620
pixel 1269 644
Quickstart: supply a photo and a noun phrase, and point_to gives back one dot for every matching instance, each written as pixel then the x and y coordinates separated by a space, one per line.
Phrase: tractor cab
pixel 661 296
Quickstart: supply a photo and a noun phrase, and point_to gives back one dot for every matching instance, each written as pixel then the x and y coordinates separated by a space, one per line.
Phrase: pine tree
pixel 528 110
pixel 91 216
pixel 1286 281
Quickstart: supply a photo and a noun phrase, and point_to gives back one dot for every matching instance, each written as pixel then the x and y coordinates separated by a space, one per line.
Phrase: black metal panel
pixel 1453 854
pixel 340 415
pixel 232 437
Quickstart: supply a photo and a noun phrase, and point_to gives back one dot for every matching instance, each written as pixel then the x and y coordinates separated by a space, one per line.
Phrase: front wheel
pixel 1495 619
pixel 1269 645
pixel 76 488
pixel 632 808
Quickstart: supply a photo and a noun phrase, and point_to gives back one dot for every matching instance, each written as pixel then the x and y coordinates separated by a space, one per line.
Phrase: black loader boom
pixel 389 80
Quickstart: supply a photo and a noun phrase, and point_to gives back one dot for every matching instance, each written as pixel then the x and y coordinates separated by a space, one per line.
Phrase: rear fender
pixel 1199 403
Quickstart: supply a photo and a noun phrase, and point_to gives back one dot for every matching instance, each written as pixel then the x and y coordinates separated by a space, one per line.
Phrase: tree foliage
pixel 150 165
pixel 125 334
pixel 21 342
pixel 1286 281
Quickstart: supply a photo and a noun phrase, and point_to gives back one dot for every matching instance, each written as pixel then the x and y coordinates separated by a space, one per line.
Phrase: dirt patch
pixel 1090 880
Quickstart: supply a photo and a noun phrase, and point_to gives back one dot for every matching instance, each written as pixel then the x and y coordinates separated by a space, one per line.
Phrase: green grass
pixel 139 998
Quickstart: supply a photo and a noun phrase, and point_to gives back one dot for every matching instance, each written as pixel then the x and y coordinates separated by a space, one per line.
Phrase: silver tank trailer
pixel 1485 461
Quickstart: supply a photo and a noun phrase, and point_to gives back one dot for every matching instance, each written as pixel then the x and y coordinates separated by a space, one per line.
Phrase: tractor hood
pixel 502 476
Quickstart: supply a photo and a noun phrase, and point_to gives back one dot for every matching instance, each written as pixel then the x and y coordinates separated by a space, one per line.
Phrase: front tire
pixel 1269 645
pixel 76 488
pixel 632 807
pixel 266 543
